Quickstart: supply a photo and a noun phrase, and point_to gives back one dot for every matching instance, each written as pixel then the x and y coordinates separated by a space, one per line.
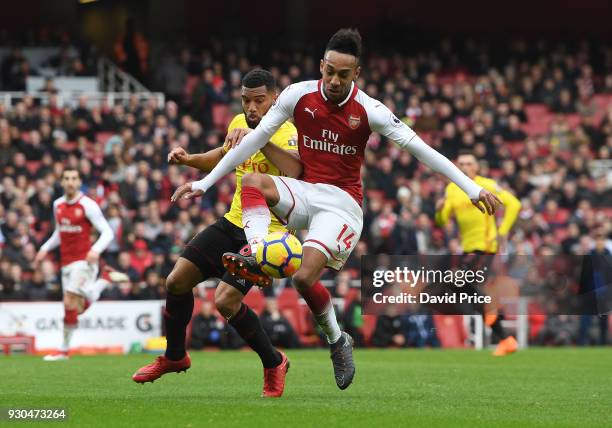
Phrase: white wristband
pixel 476 193
pixel 199 185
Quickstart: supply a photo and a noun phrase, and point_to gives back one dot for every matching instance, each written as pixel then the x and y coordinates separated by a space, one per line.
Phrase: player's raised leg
pixel 228 299
pixel 288 200
pixel 179 309
pixel 306 282
pixel 258 193
pixel 94 289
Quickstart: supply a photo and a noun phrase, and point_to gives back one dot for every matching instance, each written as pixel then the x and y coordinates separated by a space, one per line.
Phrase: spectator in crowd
pixel 36 287
pixel 124 262
pixel 558 330
pixel 554 164
pixel 277 327
pixel 420 330
pixel 149 288
pixel 207 329
pixel 597 265
pixel 403 237
pixel 389 330
pixel 140 258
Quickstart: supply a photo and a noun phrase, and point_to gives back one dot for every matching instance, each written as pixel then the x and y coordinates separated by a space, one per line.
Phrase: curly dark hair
pixel 259 77
pixel 347 41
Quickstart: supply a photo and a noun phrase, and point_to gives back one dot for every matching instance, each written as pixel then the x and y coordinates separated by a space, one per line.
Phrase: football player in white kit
pixel 334 120
pixel 75 214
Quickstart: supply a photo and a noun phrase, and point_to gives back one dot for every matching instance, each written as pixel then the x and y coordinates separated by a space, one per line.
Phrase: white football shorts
pixel 79 277
pixel 331 216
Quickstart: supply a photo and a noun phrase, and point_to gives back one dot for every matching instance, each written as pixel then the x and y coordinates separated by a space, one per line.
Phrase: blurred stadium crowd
pixel 71 58
pixel 537 115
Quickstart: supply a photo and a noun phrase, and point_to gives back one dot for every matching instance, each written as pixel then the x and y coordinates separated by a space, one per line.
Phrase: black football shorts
pixel 206 248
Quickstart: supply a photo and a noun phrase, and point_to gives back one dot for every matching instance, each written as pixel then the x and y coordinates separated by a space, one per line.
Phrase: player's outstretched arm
pixel 481 198
pixel 287 161
pixel 251 143
pixel 205 162
pixel 383 121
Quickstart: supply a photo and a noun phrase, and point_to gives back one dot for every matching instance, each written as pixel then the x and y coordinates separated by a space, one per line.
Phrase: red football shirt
pixel 73 222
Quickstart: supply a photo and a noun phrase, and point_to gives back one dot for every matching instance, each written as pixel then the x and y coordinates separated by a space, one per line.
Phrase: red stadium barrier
pixel 450 331
pixel 12 343
pixel 255 300
pixel 369 325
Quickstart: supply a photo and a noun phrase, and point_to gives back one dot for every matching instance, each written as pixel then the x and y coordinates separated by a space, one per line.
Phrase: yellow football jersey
pixel 285 138
pixel 478 231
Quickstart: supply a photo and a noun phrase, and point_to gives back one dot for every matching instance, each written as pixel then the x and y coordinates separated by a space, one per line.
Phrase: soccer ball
pixel 279 254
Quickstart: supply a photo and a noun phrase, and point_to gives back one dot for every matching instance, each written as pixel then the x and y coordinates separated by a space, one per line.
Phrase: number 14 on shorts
pixel 345 237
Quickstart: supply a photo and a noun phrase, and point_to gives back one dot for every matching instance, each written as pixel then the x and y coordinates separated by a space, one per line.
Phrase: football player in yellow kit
pixel 480 233
pixel 201 258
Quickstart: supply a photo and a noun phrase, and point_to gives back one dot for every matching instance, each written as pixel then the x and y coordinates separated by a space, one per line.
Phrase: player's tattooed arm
pixel 205 162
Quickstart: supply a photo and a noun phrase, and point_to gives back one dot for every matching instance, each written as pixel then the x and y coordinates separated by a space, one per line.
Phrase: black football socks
pixel 247 324
pixel 179 308
pixel 498 330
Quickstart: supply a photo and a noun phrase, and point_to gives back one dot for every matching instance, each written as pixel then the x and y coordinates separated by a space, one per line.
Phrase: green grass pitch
pixel 537 387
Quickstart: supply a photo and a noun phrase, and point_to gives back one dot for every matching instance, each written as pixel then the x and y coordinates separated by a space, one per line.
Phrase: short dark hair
pixel 71 169
pixel 347 41
pixel 259 77
pixel 466 152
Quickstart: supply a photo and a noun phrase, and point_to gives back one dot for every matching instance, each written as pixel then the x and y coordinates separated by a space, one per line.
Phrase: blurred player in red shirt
pixel 75 214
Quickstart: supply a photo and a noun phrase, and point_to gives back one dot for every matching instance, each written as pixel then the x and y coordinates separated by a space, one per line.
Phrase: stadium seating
pixel 450 331
pixel 540 117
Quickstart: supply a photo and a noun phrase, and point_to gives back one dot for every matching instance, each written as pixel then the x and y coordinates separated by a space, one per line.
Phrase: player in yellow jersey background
pixel 201 258
pixel 286 139
pixel 480 233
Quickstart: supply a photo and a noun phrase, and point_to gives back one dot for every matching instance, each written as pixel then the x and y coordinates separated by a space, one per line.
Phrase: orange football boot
pixel 506 347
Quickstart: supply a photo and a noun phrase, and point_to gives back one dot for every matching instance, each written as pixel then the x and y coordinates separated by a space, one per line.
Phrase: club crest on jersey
pixel 78 212
pixel 354 121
